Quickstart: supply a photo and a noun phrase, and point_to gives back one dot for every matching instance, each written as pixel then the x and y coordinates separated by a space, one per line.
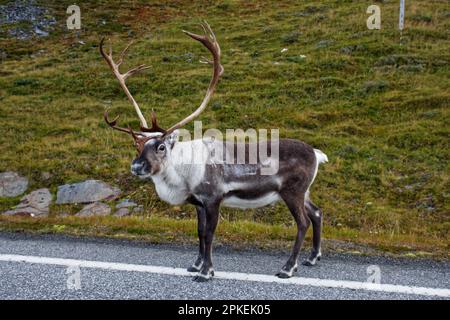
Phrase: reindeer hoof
pixel 201 278
pixel 197 266
pixel 311 261
pixel 193 269
pixel 308 263
pixel 285 274
pixel 204 276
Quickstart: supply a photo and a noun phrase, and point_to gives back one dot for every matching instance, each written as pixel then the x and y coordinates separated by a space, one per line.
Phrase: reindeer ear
pixel 172 138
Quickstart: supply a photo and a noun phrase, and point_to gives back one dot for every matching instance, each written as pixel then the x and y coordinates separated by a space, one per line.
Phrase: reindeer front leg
pixel 212 217
pixel 201 226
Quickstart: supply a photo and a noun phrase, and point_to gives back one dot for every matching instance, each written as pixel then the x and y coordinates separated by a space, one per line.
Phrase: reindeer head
pixel 154 144
pixel 154 155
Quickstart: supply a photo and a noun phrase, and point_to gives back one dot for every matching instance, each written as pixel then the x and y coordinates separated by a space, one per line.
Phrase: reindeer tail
pixel 320 156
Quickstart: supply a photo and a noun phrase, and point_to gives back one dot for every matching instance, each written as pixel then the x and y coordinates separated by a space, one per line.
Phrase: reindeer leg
pixel 212 217
pixel 201 225
pixel 297 207
pixel 315 215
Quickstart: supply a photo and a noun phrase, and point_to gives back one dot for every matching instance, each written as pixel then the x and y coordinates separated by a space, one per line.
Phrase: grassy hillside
pixel 376 102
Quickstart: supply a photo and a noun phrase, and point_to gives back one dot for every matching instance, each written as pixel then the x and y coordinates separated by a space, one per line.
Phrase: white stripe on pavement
pixel 328 283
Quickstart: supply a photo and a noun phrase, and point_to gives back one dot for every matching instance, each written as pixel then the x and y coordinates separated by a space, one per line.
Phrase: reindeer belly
pixel 235 201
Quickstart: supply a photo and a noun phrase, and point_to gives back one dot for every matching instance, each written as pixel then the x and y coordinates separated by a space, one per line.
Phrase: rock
pixel 296 59
pixel 26 211
pixel 46 175
pixel 352 49
pixel 324 43
pixel 12 185
pixel 30 19
pixel 126 204
pixel 138 209
pixel 94 209
pixel 86 192
pixel 122 212
pixel 40 32
pixel 34 204
pixel 39 199
pixel 124 208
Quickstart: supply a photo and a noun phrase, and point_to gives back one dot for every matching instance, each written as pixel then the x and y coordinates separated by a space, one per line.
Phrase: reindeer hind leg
pixel 315 215
pixel 296 206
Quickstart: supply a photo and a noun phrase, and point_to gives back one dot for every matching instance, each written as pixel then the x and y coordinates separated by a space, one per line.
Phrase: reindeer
pixel 206 185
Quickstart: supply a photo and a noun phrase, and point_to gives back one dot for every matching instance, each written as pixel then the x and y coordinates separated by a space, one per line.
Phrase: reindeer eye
pixel 161 147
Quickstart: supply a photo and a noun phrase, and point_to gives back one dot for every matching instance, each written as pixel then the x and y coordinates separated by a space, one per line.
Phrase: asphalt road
pixel 117 269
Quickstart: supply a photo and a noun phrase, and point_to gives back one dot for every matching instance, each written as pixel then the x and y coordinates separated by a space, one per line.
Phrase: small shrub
pixel 291 37
pixel 216 106
pixel 422 18
pixel 225 5
pixel 375 86
pixel 26 82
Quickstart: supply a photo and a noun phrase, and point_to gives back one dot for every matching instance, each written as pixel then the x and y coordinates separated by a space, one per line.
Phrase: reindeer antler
pixel 208 40
pixel 122 77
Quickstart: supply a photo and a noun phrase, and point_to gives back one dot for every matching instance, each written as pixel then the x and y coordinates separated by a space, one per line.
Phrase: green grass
pixel 375 102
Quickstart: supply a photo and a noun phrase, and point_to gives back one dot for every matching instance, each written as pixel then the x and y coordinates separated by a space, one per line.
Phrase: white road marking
pixel 328 283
